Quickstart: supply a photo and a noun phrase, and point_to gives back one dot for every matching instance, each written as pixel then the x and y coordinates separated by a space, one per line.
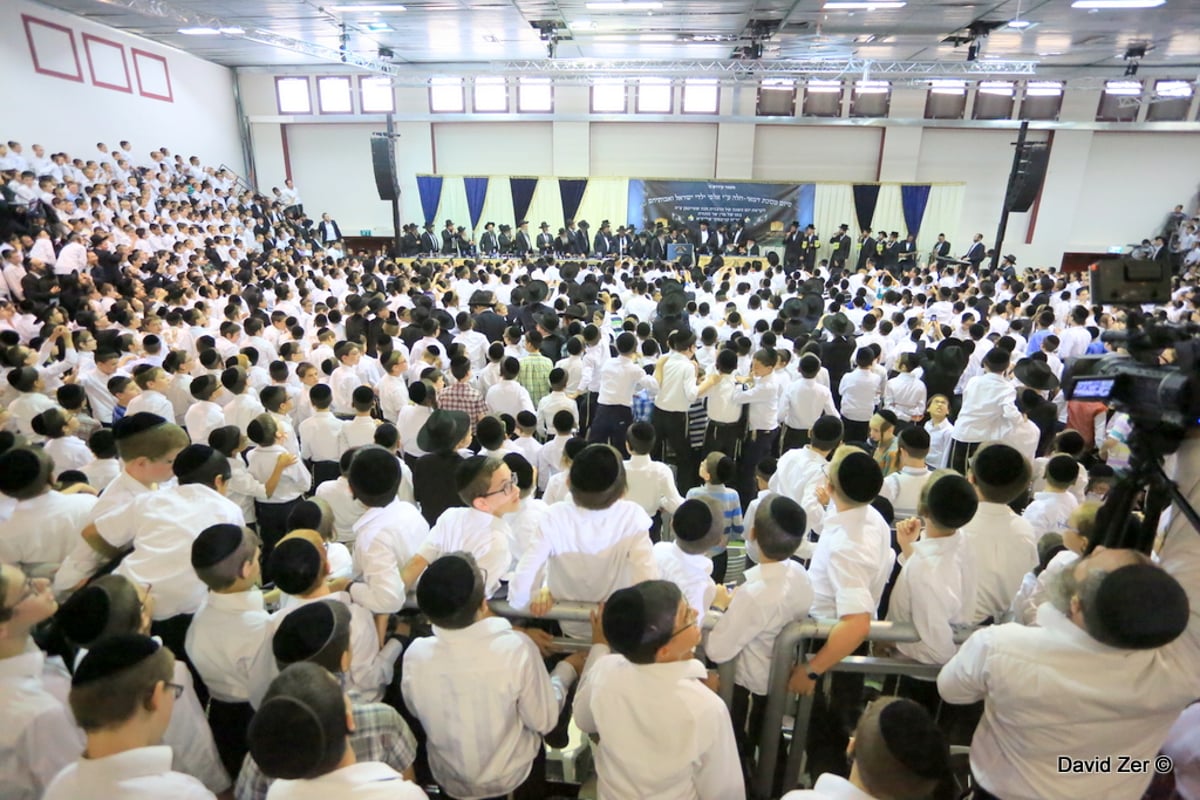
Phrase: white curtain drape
pixel 942 215
pixel 833 205
pixel 453 205
pixel 546 206
pixel 604 199
pixel 497 206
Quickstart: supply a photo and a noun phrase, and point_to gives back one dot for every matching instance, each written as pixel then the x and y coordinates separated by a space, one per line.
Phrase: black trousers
pixel 747 714
pixel 609 426
pixel 586 404
pixel 272 526
pixel 960 454
pixel 723 437
pixel 855 431
pixel 323 471
pixel 756 448
pixel 833 719
pixel 720 566
pixel 671 427
pixel 229 722
pixel 793 439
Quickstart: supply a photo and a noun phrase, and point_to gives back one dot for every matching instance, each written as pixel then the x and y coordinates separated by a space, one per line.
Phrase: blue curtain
pixel 866 195
pixel 522 195
pixel 635 208
pixel 571 191
pixel 429 187
pixel 805 202
pixel 914 198
pixel 476 194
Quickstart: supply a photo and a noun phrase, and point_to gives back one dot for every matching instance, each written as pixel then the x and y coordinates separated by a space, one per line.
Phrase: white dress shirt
pixel 384 540
pixel 829 787
pixel 293 483
pixel 393 396
pixel 359 431
pixel 154 403
pixel 68 452
pixel 470 530
pixel 43 530
pixel 631 705
pixel 242 409
pixel 939 442
pixel 1049 512
pixel 860 390
pixel 619 379
pixel 509 397
pixel 549 406
pixel 83 561
pixel 585 555
pixel 201 419
pixel 651 485
pixel 763 401
pixel 523 525
pixel 691 573
pixel 988 410
pixel 366 780
pixel 935 592
pixel 347 510
pixel 39 736
pixel 140 774
pixel 773 595
pixel 224 639
pixel 903 490
pixel 805 400
pixel 161 527
pixel 720 403
pixel 905 395
pixel 851 564
pixel 484 699
pixel 343 382
pixel 321 437
pixel 95 385
pixel 679 387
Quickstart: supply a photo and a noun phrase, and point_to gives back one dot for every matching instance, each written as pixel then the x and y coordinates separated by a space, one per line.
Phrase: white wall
pixel 654 150
pixel 494 148
pixel 72 115
pixel 803 153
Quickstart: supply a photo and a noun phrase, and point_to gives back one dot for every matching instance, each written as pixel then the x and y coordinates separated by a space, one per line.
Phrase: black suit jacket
pixel 545 242
pixel 449 242
pixel 581 242
pixel 867 251
pixel 602 244
pixel 976 253
pixel 330 232
pixel 522 244
pixel 791 246
pixel 409 245
pixel 488 243
pixel 429 243
pixel 491 325
pixel 656 249
pixel 841 244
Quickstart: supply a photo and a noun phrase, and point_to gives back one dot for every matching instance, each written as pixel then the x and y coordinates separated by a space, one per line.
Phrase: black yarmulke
pixel 859 477
pixel 595 469
pixel 520 467
pixel 83 616
pixel 374 472
pixel 192 458
pixel 296 565
pixel 21 467
pixel 826 429
pixel 692 520
pixel 306 631
pixel 789 515
pixel 138 423
pixel 1062 469
pixel 202 385
pixel 225 438
pixel 526 419
pixel 913 739
pixel 215 544
pixel 468 470
pixel 446 587
pixel 639 615
pixel 1138 607
pixel 998 463
pixel 113 655
pixel 952 501
pixel 362 395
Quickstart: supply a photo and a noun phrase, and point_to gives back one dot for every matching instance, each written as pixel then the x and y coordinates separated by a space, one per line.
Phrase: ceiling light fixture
pixel 1043 89
pixel 199 31
pixel 1102 5
pixel 1020 24
pixel 1128 88
pixel 862 5
pixel 1173 89
pixel 1002 88
pixel 948 86
pixel 350 8
pixel 615 5
pixel 818 86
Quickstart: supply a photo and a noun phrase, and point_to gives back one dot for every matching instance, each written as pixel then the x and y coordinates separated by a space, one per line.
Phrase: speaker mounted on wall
pixel 383 158
pixel 1027 183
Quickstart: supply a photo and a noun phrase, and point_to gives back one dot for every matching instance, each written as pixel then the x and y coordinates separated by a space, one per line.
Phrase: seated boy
pixel 1053 504
pixel 589 547
pixel 650 691
pixel 699 526
pixel 776 592
pixel 41 525
pixel 525 520
pixel 472 663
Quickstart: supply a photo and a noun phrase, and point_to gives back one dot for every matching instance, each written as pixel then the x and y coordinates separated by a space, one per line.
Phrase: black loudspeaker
pixel 383 158
pixel 1031 171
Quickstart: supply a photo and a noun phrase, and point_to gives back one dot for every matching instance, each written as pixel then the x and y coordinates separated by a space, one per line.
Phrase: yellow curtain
pixel 453 205
pixel 604 199
pixel 889 211
pixel 497 206
pixel 833 205
pixel 942 215
pixel 546 206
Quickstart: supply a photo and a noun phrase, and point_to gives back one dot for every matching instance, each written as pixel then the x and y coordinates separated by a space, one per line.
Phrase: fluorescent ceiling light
pixel 1043 89
pixel 827 86
pixel 1004 88
pixel 199 31
pixel 871 87
pixel 1173 89
pixel 377 27
pixel 657 37
pixel 1020 24
pixel 633 5
pixel 1123 87
pixel 232 31
pixel 950 86
pixel 1110 4
pixel 862 5
pixel 351 8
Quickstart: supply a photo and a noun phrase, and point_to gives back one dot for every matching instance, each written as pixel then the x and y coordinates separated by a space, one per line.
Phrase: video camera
pixel 1154 395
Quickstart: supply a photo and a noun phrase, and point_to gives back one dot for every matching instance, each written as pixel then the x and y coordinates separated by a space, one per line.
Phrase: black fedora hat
pixel 589 291
pixel 482 297
pixel 569 271
pixel 793 308
pixel 814 304
pixel 443 431
pixel 1036 374
pixel 839 324
pixel 672 304
pixel 537 291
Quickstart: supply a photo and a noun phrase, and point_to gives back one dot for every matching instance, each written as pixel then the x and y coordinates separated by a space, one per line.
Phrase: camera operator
pixel 1110 667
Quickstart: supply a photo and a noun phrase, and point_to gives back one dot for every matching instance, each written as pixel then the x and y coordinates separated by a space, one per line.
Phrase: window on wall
pixel 1172 98
pixel 1043 100
pixel 535 95
pixel 994 100
pixel 333 95
pixel 292 96
pixel 376 95
pixel 446 94
pixel 1120 101
pixel 871 99
pixel 654 96
pixel 701 96
pixel 609 96
pixel 491 93
pixel 947 99
pixel 777 98
pixel 822 98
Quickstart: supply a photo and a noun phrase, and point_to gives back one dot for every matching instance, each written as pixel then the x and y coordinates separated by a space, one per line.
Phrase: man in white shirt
pixel 1123 620
pixel 649 691
pixel 124 756
pixel 804 401
pixel 989 410
pixel 301 737
pixel 800 472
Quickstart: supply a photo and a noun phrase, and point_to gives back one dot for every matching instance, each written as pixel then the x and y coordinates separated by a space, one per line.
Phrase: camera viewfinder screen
pixel 1093 389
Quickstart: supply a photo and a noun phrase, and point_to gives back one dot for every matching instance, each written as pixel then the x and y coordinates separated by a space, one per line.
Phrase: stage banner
pixel 766 209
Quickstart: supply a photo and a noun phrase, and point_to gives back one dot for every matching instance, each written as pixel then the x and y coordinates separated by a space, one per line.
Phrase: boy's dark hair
pixel 387 436
pixel 321 396
pixel 103 444
pixel 564 422
pixel 721 468
pixel 1070 442
pixel 639 438
pixel 597 477
pixel 71 396
pixel 115 678
pixel 810 365
pixel 640 619
pixel 116 384
pixel 1001 473
pixel 263 430
pixel 490 432
pixel 558 379
pixel 362 399
pixel 203 387
pixel 510 368
pixel 234 380
pixel 779 526
pixel 914 442
pixel 865 357
pixel 627 343
pixel 451 591
pixel 201 464
pixel 220 552
pixel 460 367
pixel 273 398
pixel 147 436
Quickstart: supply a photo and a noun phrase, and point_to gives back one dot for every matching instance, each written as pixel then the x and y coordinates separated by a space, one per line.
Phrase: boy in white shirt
pixel 489 489
pixel 524 522
pixel 152 381
pixel 360 429
pixel 699 526
pixel 776 592
pixel 1052 506
pixel 554 402
pixel 651 483
pixel 204 416
pixel 321 440
pixel 525 444
pixel 480 689
pixel 903 488
pixel 860 391
pixel 290 487
pixel 40 525
pixel 346 509
pixel 940 430
pixel 106 467
pixel 243 406
pixel 278 403
pixel 549 461
pixel 649 690
pixel 588 547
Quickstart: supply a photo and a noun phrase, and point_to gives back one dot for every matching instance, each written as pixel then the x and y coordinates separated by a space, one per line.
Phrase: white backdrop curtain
pixel 833 205
pixel 546 206
pixel 942 215
pixel 453 205
pixel 604 199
